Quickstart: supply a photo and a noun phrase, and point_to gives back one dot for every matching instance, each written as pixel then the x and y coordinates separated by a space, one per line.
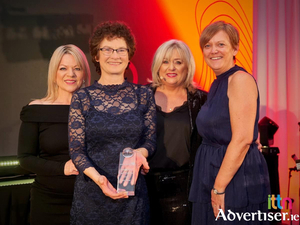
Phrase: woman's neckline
pixel 111 87
pixel 228 72
pixel 171 110
pixel 49 104
pixel 108 82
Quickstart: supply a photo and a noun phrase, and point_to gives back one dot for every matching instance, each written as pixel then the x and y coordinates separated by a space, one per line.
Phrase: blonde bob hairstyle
pixel 79 56
pixel 164 52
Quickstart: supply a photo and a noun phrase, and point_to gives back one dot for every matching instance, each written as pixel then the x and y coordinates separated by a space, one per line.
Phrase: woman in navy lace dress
pixel 229 173
pixel 105 118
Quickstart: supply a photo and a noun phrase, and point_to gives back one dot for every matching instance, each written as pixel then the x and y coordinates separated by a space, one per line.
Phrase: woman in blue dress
pixel 229 173
pixel 105 118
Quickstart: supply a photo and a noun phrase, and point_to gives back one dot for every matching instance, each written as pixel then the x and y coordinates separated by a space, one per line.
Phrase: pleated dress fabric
pixel 249 188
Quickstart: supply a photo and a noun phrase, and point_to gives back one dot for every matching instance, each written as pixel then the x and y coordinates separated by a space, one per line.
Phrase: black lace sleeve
pixel 149 133
pixel 77 146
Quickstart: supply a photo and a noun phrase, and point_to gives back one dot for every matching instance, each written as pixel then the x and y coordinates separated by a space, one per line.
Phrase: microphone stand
pixel 288 194
pixel 290 175
pixel 289 181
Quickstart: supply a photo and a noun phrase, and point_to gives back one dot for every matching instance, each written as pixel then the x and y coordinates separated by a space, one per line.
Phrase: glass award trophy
pixel 127 163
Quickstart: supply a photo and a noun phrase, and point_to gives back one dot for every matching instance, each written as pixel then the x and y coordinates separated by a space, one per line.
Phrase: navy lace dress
pixel 103 120
pixel 249 188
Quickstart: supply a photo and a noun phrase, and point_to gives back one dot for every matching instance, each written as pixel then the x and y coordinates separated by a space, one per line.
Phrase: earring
pixel 83 81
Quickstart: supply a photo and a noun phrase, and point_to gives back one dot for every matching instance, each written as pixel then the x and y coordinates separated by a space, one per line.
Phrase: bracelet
pixel 216 191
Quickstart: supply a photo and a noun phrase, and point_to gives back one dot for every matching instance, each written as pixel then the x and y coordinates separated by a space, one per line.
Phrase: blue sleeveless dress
pixel 248 190
pixel 103 120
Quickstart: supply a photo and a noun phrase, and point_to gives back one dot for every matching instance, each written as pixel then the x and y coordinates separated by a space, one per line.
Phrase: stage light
pixel 10 166
pixel 267 128
pixel 9 163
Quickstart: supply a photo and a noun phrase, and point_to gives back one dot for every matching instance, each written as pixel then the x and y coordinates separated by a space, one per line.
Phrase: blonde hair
pixel 164 51
pixel 79 56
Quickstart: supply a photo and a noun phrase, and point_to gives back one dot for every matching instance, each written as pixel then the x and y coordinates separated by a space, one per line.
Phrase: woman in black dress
pixel 43 138
pixel 178 102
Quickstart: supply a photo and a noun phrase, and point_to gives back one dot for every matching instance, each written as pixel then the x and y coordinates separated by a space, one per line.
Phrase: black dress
pixel 43 149
pixel 104 119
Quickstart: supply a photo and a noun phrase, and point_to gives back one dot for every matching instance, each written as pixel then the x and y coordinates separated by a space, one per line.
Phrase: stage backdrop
pixel 276 65
pixel 31 30
pixel 188 20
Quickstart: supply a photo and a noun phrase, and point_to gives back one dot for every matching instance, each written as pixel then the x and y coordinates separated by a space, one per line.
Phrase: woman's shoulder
pixel 197 97
pixel 200 92
pixel 240 84
pixel 42 101
pixel 142 88
pixel 36 102
pixel 197 92
pixel 241 77
pixel 84 90
pixel 82 94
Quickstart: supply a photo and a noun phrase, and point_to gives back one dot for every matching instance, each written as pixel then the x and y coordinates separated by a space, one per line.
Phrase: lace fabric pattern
pixel 98 104
pixel 103 120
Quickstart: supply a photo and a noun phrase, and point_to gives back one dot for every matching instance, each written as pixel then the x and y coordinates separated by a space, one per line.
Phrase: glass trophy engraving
pixel 127 163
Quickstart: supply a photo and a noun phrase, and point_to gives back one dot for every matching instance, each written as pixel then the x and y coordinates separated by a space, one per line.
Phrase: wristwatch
pixel 216 192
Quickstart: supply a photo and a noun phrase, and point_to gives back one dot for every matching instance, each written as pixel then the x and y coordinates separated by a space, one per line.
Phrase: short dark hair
pixel 111 30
